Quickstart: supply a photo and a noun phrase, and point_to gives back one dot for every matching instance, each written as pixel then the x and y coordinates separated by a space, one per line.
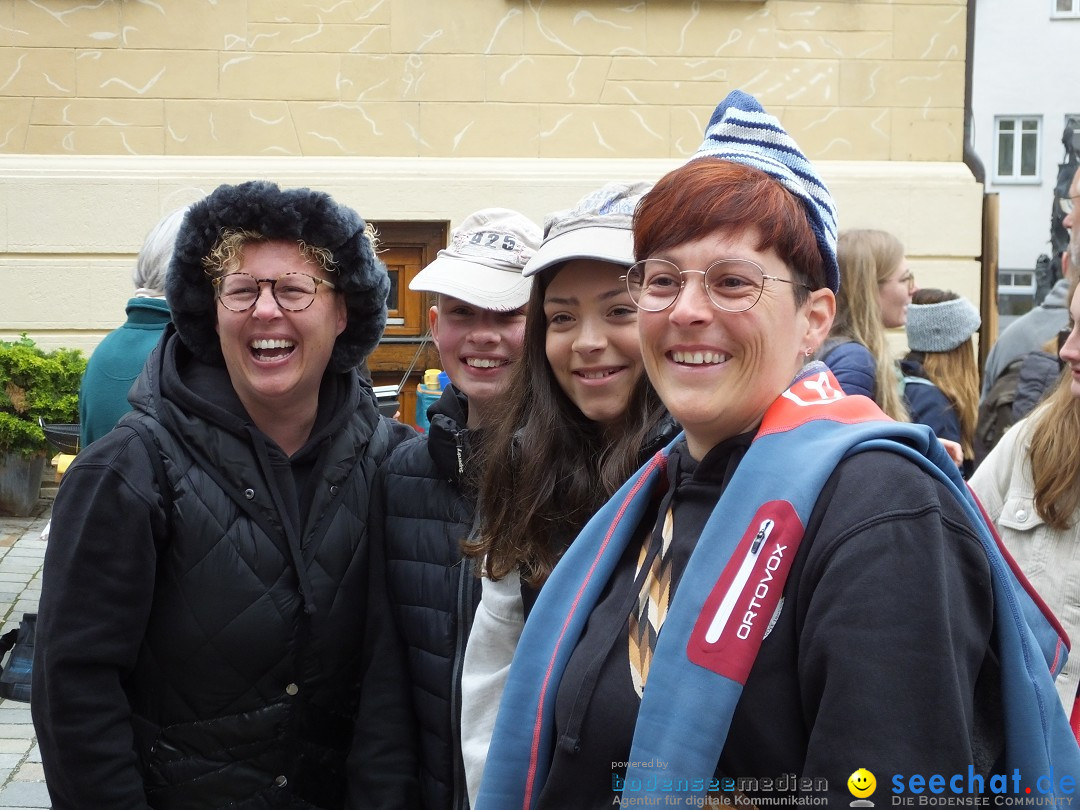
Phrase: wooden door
pixel 406 350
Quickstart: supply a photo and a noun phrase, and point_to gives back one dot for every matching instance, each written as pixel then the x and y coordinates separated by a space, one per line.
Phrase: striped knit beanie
pixel 742 132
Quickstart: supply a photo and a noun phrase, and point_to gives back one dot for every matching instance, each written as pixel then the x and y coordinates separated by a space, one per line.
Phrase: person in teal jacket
pixel 120 356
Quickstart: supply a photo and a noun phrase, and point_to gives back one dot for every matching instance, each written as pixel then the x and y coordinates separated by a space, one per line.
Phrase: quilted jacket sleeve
pixel 382 763
pixel 96 594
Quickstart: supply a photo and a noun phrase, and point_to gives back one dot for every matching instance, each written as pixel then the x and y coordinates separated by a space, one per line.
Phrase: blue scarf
pixel 732 583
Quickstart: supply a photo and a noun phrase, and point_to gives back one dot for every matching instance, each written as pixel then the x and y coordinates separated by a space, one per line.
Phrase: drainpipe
pixel 988 258
pixel 971 160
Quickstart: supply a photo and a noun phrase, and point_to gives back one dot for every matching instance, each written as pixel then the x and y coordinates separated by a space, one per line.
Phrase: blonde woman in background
pixel 941 374
pixel 875 296
pixel 1029 485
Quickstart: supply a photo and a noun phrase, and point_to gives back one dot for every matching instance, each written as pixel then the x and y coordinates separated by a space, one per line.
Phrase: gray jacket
pixel 1028 333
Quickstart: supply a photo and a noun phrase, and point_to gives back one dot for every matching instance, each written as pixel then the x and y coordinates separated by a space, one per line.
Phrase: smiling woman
pixel 592 343
pixel 164 677
pixel 277 329
pixel 581 410
pixel 579 418
pixel 743 603
pixel 756 345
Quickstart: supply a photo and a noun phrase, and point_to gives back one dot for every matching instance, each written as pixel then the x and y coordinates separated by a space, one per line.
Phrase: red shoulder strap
pixel 817 396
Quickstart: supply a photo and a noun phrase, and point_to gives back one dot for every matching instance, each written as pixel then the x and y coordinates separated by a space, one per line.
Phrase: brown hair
pixel 867 258
pixel 709 195
pixel 955 373
pixel 1055 452
pixel 545 467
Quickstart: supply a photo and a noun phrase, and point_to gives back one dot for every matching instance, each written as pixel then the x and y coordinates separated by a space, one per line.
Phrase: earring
pixel 808 351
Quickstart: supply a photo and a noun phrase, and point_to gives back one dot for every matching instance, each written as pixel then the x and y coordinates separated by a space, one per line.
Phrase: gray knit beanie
pixel 941 327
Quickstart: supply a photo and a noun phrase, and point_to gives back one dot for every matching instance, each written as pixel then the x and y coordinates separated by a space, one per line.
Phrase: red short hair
pixel 708 195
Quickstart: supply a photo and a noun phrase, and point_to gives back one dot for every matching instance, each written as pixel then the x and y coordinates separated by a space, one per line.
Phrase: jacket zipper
pixel 464 626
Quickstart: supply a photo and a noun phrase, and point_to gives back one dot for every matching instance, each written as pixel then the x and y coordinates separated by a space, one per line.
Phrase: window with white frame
pixel 1016 294
pixel 1017 140
pixel 1065 8
pixel 1016 282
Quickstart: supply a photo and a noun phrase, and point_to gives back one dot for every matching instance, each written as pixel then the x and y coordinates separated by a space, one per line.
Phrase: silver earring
pixel 808 351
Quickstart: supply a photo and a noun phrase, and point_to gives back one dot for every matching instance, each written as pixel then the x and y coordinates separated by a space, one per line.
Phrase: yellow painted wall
pixel 441 78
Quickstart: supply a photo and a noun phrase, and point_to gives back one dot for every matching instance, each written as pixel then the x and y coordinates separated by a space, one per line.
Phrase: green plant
pixel 35 383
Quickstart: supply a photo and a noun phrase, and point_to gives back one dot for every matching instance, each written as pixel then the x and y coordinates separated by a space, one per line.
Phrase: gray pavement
pixel 22 552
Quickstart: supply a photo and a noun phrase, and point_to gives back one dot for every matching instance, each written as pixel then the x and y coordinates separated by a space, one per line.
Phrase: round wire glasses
pixel 733 285
pixel 294 292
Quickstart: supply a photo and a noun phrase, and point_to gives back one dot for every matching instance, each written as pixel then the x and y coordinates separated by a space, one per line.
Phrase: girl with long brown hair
pixel 1030 486
pixel 580 417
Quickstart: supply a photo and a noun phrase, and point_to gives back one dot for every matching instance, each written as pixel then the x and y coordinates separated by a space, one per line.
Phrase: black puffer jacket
pixel 218 656
pixel 424 510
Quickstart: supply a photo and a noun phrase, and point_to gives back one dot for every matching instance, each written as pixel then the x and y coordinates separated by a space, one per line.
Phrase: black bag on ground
pixel 15 676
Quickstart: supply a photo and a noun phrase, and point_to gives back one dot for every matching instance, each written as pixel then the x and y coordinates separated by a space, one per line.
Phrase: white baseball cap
pixel 599 227
pixel 483 263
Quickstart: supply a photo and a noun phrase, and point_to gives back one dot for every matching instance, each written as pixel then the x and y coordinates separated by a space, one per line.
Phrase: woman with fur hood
pixel 209 633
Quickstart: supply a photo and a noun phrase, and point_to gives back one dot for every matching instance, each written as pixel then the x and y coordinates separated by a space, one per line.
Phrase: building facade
pixel 417 112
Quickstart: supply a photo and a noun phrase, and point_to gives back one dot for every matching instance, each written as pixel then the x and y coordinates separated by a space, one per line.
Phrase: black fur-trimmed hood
pixel 293 214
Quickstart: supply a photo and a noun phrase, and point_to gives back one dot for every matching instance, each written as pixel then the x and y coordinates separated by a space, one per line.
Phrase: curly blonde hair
pixel 227 253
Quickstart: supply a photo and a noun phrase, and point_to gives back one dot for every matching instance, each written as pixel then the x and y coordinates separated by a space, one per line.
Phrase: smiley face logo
pixel 861 783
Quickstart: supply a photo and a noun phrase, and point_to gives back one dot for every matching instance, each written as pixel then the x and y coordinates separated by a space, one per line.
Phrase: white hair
pixel 152 263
